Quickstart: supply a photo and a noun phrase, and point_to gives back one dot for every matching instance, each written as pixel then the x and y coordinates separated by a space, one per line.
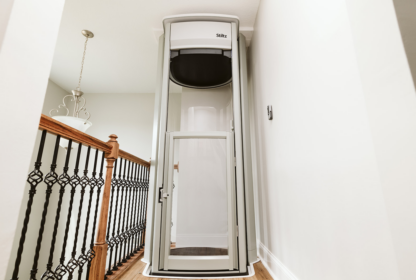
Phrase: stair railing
pixel 120 231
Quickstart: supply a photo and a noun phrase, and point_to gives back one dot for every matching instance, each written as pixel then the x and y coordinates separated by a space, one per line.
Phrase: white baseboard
pixel 275 267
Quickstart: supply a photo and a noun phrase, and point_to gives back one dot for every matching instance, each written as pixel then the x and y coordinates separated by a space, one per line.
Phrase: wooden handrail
pixel 133 158
pixel 58 128
pixel 55 127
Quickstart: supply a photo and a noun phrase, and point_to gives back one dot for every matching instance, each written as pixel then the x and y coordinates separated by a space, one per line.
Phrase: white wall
pixel 25 61
pixel 391 107
pixel 129 116
pixel 53 98
pixel 335 165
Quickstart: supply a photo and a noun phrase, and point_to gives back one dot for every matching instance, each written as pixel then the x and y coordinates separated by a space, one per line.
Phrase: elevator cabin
pixel 201 218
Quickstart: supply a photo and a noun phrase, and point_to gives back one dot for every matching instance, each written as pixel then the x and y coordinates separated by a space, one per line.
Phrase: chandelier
pixel 75 120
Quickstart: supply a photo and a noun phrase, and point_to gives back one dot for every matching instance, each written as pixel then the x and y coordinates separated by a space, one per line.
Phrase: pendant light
pixel 75 120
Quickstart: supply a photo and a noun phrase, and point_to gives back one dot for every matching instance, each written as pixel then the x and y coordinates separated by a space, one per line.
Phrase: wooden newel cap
pixel 113 138
pixel 114 144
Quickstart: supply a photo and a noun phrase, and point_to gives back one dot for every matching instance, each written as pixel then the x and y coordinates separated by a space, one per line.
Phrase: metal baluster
pixel 73 263
pixel 111 242
pixel 100 183
pixel 119 185
pixel 142 207
pixel 145 204
pixel 128 226
pixel 50 179
pixel 136 248
pixel 133 208
pixel 85 258
pixel 139 207
pixel 34 178
pixel 125 185
pixel 143 225
pixel 63 181
pixel 62 269
pixel 133 196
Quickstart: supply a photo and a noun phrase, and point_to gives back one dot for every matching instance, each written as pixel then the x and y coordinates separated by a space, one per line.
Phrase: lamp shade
pixel 74 122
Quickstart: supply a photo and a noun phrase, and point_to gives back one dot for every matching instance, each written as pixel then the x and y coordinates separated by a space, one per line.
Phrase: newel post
pixel 97 270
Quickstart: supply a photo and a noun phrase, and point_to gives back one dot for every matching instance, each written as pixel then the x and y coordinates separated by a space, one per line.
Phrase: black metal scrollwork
pixel 125 227
pixel 34 178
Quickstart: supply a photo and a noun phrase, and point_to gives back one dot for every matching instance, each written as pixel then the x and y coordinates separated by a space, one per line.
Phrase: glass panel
pixel 200 109
pixel 199 201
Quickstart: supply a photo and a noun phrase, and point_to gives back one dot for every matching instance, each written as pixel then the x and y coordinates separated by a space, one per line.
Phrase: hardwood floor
pixel 118 274
pixel 136 270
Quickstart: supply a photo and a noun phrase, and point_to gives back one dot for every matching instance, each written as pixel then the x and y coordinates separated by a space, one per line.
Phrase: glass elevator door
pixel 199 230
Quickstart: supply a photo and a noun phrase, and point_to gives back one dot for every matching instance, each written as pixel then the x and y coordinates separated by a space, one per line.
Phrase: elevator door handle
pixel 160 194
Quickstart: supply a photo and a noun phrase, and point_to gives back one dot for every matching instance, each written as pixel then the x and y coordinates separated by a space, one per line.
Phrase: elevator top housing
pixel 200 34
pixel 201 50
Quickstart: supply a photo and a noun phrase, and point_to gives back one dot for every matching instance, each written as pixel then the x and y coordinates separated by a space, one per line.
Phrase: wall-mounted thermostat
pixel 270 112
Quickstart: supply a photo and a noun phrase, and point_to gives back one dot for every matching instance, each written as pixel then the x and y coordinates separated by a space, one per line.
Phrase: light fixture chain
pixel 79 101
pixel 82 64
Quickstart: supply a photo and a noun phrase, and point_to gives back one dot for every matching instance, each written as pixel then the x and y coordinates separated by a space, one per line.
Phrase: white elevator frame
pixel 199 262
pixel 244 190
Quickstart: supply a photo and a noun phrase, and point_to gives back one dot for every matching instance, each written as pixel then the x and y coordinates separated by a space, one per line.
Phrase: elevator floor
pixel 198 251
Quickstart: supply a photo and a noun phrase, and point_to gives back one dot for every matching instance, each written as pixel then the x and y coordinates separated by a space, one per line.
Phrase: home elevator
pixel 201 208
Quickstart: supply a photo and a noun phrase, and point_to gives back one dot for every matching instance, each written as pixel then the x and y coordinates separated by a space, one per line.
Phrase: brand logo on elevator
pixel 221 35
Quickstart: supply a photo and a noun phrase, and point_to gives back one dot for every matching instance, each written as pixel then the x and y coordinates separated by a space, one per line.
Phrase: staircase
pixel 81 220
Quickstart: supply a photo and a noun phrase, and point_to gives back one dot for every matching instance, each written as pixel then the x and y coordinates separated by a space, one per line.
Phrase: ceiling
pixel 122 56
